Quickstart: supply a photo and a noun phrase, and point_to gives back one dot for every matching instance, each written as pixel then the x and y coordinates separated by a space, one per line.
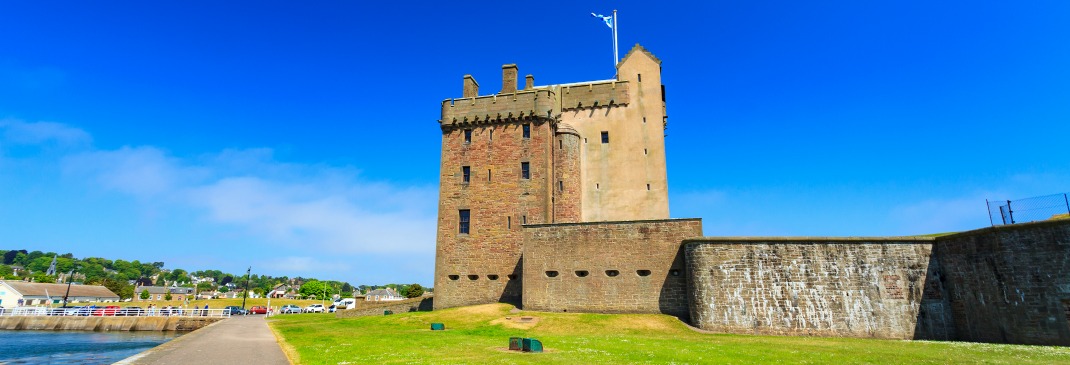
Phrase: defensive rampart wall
pixel 853 287
pixel 1009 284
pixel 607 267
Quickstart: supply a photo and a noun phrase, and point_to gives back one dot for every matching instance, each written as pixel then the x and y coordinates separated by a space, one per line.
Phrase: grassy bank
pixel 480 334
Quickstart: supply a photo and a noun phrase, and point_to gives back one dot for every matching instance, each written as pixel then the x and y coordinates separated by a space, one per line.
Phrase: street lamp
pixel 245 294
pixel 70 279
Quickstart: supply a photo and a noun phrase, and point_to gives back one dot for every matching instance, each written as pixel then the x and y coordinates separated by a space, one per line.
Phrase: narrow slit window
pixel 648 186
pixel 551 274
pixel 525 170
pixel 466 174
pixel 465 215
pixel 491 137
pixel 509 222
pixel 525 219
pixel 455 277
pixel 640 77
pixel 560 144
pixel 560 185
pixel 643 272
pixel 473 277
pixel 488 175
pixel 644 120
pixel 605 137
pixel 492 277
pixel 612 273
pixel 527 130
pixel 644 151
pixel 467 136
pixel 582 273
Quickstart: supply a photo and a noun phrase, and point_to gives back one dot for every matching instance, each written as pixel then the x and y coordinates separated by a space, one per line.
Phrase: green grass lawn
pixel 480 335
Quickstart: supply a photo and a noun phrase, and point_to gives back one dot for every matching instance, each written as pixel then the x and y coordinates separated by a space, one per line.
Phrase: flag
pixel 607 19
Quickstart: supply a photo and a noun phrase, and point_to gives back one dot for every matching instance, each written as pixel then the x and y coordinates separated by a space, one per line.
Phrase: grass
pixel 480 334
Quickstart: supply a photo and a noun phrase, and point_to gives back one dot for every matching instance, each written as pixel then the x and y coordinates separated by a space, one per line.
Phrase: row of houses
pixel 20 293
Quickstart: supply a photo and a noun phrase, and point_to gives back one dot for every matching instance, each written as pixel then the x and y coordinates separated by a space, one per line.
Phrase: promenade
pixel 238 340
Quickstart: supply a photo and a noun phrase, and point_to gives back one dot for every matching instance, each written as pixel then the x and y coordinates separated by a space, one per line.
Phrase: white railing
pixel 115 312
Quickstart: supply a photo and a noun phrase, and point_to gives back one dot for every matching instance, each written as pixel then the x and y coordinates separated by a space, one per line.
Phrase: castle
pixel 555 198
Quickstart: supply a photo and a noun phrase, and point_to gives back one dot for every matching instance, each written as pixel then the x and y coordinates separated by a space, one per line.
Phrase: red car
pixel 258 309
pixel 106 311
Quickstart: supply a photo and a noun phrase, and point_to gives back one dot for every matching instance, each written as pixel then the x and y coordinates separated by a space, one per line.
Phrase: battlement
pixel 593 94
pixel 497 108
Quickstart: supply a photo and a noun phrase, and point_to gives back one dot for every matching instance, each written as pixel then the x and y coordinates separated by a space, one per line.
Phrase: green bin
pixel 438 327
pixel 514 343
pixel 387 313
pixel 532 345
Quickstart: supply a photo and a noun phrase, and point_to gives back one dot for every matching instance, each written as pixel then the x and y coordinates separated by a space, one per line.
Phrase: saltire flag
pixel 607 19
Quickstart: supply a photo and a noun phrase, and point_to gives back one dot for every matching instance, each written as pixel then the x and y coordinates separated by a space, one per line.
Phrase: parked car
pixel 258 309
pixel 106 311
pixel 332 308
pixel 314 308
pixel 234 310
pixel 290 308
pixel 79 311
pixel 131 311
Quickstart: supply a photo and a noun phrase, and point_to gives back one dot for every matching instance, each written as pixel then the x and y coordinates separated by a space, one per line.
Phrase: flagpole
pixel 616 54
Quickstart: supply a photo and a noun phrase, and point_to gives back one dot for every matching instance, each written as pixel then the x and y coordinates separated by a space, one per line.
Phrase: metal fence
pixel 1033 209
pixel 114 312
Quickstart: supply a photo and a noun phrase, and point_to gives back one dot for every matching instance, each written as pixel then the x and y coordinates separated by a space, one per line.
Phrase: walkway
pixel 238 340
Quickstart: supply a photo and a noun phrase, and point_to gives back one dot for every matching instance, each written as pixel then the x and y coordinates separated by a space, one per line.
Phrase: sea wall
pixel 813 286
pixel 1009 284
pixel 77 323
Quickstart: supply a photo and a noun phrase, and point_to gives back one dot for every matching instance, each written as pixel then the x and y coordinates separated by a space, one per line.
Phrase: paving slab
pixel 238 340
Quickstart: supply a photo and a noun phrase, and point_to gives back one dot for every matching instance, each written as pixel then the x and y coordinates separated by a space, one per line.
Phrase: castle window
pixel 511 276
pixel 582 273
pixel 524 218
pixel 466 174
pixel 605 137
pixel 612 273
pixel 648 186
pixel 463 226
pixel 455 277
pixel 492 277
pixel 491 135
pixel 640 77
pixel 525 170
pixel 643 272
pixel 467 136
pixel 560 185
pixel 595 186
pixel 527 130
pixel 488 175
pixel 644 120
pixel 551 274
pixel 560 144
pixel 509 222
pixel 473 277
pixel 644 151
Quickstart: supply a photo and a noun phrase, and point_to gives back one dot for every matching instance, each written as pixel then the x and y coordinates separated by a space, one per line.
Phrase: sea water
pixel 76 347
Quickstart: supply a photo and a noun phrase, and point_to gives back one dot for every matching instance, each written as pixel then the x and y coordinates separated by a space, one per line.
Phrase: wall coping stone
pixel 1009 227
pixel 610 222
pixel 811 239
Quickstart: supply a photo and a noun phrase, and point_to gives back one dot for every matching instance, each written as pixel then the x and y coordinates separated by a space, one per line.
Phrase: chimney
pixel 529 82
pixel 508 78
pixel 471 87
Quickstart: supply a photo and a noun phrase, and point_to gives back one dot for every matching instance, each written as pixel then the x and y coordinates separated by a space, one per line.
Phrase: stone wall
pixel 499 107
pixel 379 308
pixel 607 267
pixel 594 94
pixel 852 287
pixel 1009 284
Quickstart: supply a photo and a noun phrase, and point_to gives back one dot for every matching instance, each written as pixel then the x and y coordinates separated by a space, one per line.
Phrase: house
pixel 19 293
pixel 160 293
pixel 282 291
pixel 383 295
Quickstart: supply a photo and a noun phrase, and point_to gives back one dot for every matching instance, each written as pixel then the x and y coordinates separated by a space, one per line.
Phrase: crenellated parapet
pixel 498 108
pixel 594 94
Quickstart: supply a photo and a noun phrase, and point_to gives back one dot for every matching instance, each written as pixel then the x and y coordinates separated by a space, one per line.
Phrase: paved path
pixel 238 340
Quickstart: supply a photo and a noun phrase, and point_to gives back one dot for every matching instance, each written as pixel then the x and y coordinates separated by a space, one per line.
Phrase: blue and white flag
pixel 607 19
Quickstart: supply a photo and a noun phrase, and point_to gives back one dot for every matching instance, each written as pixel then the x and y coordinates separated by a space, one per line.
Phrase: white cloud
pixel 291 205
pixel 20 132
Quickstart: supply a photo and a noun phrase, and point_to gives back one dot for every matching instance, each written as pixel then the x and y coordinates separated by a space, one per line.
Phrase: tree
pixel 167 296
pixel 415 291
pixel 315 289
pixel 9 257
pixel 119 287
pixel 145 294
pixel 226 280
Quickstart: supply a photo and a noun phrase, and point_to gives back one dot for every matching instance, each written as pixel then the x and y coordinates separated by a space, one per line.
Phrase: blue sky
pixel 301 139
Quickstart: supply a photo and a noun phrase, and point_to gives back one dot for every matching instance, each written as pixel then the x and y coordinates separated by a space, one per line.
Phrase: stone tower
pixel 579 152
